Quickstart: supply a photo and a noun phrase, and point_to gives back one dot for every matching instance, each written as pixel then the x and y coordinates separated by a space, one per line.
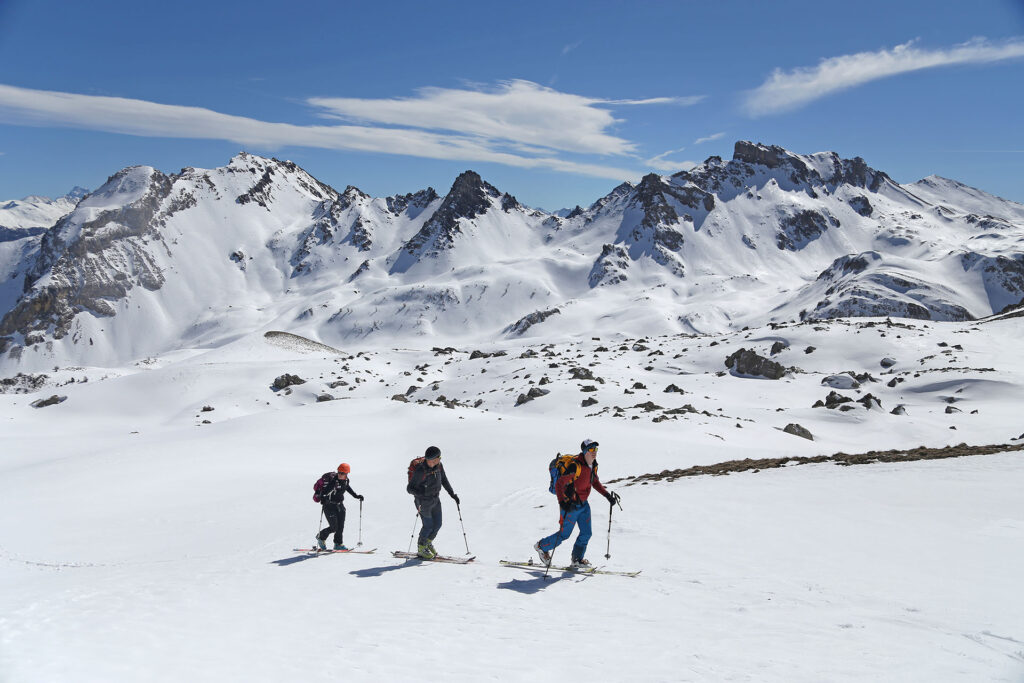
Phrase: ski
pixel 439 558
pixel 330 551
pixel 575 570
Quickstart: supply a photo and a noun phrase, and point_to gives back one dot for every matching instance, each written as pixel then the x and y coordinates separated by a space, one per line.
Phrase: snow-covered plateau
pixel 801 375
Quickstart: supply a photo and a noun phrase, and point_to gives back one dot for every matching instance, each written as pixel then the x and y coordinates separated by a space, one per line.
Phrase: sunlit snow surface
pixel 138 543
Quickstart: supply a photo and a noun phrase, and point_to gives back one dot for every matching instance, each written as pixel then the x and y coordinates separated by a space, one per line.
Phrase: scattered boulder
pixel 324 397
pixel 745 362
pixel 483 354
pixel 639 385
pixel 400 397
pixel 950 410
pixel 870 401
pixel 648 406
pixel 842 381
pixel 833 400
pixel 887 362
pixel 52 401
pixel 286 380
pixel 581 373
pixel 796 430
pixel 672 388
pixel 588 402
pixel 899 410
pixel 779 347
pixel 810 349
pixel 530 395
pixel 588 387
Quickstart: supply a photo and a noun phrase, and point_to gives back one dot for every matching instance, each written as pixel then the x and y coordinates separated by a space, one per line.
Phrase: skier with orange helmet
pixel 329 491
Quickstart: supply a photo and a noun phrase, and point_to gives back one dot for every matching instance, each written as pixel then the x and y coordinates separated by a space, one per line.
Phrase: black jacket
pixel 427 481
pixel 335 494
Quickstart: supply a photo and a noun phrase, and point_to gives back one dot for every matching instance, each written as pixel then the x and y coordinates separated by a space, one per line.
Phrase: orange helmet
pixel 343 468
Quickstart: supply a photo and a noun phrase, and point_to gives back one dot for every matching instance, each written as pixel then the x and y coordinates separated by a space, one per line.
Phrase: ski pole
pixel 319 525
pixel 360 523
pixel 608 550
pixel 463 528
pixel 415 520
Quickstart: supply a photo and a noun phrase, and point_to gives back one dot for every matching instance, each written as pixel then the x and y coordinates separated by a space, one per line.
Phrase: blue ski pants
pixel 566 521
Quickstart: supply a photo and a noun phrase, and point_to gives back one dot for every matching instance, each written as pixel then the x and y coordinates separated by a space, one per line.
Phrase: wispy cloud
pixel 514 112
pixel 520 124
pixel 786 90
pixel 708 138
pixel 661 163
pixel 520 112
pixel 677 101
pixel 571 46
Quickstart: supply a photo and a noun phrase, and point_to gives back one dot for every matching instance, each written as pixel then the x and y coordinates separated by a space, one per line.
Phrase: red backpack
pixel 413 464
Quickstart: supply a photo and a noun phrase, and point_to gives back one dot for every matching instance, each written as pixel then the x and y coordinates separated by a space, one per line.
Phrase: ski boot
pixel 545 557
pixel 430 545
pixel 424 552
pixel 340 546
pixel 581 563
pixel 320 543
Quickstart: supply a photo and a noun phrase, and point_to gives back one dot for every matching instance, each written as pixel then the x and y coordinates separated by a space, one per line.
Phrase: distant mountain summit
pixel 150 263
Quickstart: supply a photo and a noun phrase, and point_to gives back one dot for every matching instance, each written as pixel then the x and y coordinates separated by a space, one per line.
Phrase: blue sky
pixel 555 102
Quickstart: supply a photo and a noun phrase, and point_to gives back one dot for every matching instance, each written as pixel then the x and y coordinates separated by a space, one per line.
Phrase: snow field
pixel 138 543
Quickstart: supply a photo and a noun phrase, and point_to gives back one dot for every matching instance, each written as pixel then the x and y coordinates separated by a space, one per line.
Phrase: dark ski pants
pixel 430 515
pixel 566 521
pixel 335 515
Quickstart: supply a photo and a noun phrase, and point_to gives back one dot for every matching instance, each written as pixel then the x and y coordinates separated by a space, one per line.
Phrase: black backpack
pixel 323 489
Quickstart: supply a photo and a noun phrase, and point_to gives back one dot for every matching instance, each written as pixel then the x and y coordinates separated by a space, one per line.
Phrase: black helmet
pixel 587 445
pixel 432 452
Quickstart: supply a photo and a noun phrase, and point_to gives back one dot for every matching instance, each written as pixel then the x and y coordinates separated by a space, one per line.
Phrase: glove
pixel 614 498
pixel 360 498
pixel 455 498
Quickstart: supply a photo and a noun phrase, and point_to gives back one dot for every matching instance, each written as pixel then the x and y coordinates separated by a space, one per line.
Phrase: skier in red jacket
pixel 573 489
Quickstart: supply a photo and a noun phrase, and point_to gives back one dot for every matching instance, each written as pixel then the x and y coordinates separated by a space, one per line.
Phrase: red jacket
pixel 586 480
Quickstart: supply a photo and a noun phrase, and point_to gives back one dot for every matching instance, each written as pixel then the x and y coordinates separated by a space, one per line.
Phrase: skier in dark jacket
pixel 573 489
pixel 332 496
pixel 425 485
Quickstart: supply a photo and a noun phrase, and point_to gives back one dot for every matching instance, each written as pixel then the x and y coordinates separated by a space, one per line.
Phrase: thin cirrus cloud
pixel 519 124
pixel 661 163
pixel 709 138
pixel 516 112
pixel 787 90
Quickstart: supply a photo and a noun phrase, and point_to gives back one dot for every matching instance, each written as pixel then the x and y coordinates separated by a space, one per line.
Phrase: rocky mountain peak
pixel 77 193
pixel 771 156
pixel 413 202
pixel 469 195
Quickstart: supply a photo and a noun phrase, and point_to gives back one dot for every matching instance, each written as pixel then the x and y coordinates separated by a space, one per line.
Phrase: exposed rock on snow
pixel 842 381
pixel 52 401
pixel 796 430
pixel 284 381
pixel 747 363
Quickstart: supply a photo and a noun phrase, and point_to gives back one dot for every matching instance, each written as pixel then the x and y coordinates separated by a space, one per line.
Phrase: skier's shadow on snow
pixel 371 572
pixel 534 585
pixel 292 560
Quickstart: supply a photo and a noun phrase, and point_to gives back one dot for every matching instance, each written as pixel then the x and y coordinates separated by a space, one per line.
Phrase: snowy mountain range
pixel 150 263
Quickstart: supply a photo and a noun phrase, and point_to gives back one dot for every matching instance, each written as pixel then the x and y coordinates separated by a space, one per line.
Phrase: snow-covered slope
pixel 151 263
pixel 35 213
pixel 147 522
